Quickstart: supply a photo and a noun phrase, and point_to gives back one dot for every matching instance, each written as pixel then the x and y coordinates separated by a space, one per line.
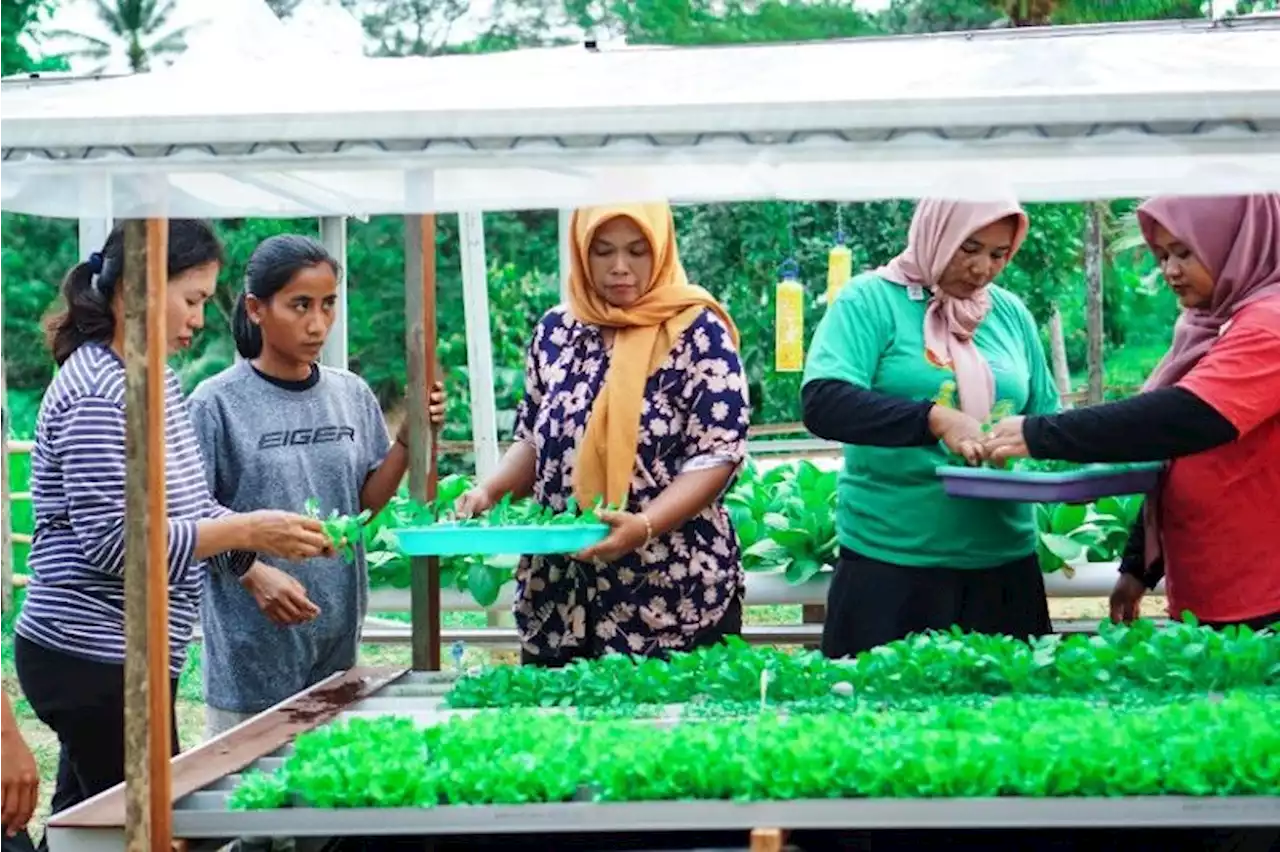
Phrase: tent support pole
pixel 149 814
pixel 564 218
pixel 333 234
pixel 421 370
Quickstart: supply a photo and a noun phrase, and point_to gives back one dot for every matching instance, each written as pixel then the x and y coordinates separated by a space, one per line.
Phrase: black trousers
pixel 871 603
pixel 83 702
pixel 730 625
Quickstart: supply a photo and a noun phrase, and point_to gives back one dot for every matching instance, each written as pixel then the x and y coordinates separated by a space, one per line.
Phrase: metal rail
pixel 756 634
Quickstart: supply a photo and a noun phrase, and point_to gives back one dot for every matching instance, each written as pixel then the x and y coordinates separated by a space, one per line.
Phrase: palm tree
pixel 137 23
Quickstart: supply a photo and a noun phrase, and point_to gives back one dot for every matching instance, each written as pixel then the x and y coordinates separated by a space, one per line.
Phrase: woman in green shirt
pixel 905 368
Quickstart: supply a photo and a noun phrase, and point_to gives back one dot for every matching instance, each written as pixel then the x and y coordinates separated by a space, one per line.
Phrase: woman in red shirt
pixel 1212 406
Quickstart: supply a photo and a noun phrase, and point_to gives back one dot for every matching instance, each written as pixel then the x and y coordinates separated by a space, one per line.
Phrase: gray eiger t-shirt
pixel 271 445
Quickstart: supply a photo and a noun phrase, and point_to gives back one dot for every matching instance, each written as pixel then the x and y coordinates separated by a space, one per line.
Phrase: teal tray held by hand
pixel 463 540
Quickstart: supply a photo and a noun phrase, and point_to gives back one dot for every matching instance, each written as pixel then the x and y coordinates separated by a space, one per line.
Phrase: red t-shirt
pixel 1221 508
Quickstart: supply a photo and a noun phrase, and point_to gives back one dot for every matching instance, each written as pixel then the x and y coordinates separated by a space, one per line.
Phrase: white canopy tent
pixel 1052 114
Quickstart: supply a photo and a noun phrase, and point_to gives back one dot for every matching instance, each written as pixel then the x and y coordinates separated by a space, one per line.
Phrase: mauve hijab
pixel 1236 238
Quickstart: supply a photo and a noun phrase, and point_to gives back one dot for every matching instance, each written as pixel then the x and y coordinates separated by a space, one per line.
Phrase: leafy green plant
pixel 1010 747
pixel 1179 658
pixel 1070 532
pixel 346 531
pixel 785 519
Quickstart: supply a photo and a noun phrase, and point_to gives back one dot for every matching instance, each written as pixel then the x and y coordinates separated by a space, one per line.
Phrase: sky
pixel 320 22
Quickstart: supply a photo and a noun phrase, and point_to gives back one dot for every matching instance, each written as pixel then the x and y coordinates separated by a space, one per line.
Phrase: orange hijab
pixel 645 333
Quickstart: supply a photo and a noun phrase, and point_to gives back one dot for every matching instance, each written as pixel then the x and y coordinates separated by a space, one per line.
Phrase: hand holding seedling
pixel 1126 599
pixel 959 432
pixel 474 502
pixel 1005 441
pixel 288 536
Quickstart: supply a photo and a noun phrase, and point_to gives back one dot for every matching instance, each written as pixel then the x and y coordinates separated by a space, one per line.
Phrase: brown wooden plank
pixel 421 371
pixel 234 750
pixel 768 839
pixel 138 586
pixel 159 700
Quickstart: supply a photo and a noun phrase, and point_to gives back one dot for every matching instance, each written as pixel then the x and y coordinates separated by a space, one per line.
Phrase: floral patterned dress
pixel 695 414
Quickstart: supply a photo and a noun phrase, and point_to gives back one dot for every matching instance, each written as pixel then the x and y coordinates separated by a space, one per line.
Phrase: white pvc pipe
pixel 1091 580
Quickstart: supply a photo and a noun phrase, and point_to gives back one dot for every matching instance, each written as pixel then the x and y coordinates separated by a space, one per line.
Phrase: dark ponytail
pixel 247 335
pixel 89 289
pixel 270 269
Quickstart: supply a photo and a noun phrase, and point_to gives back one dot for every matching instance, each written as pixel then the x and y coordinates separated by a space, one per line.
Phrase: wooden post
pixel 420 367
pixel 1058 352
pixel 768 839
pixel 148 809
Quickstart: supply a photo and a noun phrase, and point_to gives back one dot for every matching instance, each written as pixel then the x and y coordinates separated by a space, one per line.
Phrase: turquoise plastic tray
pixel 457 540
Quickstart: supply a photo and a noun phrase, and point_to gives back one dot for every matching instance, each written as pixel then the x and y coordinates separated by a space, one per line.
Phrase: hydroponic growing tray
pixel 201 809
pixel 449 539
pixel 1084 485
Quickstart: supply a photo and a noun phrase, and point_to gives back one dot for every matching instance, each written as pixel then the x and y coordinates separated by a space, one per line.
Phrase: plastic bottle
pixel 839 268
pixel 789 321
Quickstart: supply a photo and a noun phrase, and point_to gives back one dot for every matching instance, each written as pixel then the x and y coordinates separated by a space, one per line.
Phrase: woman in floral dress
pixel 634 393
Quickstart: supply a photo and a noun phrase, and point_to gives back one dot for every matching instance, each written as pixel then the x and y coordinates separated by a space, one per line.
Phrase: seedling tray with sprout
pixel 509 527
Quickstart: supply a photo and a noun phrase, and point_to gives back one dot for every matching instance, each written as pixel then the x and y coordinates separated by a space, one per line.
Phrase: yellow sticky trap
pixel 839 270
pixel 789 323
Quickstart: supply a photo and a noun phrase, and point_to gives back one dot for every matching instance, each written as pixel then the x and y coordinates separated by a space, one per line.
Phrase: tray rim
pixel 1039 477
pixel 448 531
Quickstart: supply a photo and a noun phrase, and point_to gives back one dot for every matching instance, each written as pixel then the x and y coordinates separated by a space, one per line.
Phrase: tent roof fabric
pixel 1050 114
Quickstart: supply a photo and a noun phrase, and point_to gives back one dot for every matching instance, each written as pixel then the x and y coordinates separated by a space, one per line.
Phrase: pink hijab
pixel 1237 238
pixel 938 229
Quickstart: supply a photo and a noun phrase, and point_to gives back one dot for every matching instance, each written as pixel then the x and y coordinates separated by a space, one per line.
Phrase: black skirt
pixel 872 603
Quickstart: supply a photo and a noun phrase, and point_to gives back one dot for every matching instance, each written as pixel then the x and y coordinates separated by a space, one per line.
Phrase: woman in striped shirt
pixel 70 642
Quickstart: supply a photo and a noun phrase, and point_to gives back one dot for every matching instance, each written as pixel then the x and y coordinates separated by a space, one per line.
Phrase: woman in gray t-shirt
pixel 277 429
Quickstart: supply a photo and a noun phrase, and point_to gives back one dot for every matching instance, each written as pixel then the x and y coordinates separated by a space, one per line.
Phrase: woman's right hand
pixel 472 503
pixel 279 595
pixel 287 536
pixel 961 433
pixel 1126 598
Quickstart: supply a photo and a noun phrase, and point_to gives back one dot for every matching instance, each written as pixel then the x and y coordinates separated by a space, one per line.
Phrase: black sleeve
pixel 1163 424
pixel 1134 559
pixel 844 412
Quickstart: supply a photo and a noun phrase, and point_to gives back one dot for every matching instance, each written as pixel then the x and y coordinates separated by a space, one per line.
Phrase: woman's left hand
pixel 435 413
pixel 1005 441
pixel 629 533
pixel 435 405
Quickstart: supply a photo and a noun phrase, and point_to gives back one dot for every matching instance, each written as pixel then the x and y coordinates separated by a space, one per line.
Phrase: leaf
pixel 1064 548
pixel 483 583
pixel 802 570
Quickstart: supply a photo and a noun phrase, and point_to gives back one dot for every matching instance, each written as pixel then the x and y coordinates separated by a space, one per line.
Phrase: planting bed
pixel 1174 726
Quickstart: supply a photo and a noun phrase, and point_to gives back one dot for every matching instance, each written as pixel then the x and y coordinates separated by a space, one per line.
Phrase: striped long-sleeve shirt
pixel 75 602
